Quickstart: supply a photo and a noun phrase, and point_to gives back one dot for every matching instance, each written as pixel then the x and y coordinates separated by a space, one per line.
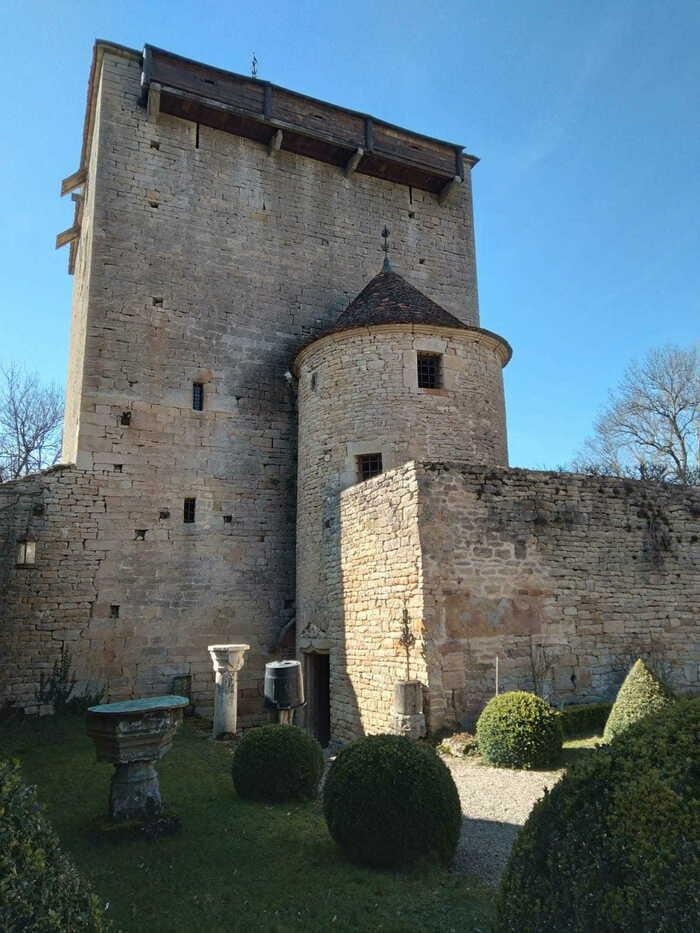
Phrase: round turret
pixel 397 379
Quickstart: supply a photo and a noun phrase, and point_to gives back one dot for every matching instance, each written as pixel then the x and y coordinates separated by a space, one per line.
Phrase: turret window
pixel 368 465
pixel 198 396
pixel 429 371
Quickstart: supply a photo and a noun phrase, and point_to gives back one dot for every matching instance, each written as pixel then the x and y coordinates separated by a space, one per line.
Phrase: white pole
pixel 496 675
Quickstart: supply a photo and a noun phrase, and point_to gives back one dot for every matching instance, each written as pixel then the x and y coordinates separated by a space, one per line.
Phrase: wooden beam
pixel 449 188
pixel 72 233
pixel 73 181
pixel 353 161
pixel 153 105
pixel 275 143
pixel 267 102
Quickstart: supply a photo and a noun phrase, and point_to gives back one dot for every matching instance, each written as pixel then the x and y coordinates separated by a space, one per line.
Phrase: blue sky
pixel 584 114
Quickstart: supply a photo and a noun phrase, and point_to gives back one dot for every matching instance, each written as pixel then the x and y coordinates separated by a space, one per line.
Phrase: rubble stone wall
pixel 358 394
pixel 202 258
pixel 566 578
pixel 374 573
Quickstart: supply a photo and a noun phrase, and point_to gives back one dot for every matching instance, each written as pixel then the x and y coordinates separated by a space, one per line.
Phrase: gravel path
pixel 495 804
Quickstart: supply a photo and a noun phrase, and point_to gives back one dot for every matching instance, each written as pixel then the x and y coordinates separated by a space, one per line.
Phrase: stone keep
pixel 236 362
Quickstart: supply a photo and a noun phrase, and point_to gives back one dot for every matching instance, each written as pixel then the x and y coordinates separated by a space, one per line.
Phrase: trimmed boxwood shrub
pixel 519 730
pixel 277 762
pixel 40 889
pixel 640 695
pixel 614 845
pixel 389 801
pixel 585 719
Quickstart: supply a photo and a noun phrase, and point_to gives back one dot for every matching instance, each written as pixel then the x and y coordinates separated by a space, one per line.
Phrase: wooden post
pixel 353 161
pixel 275 143
pixel 153 106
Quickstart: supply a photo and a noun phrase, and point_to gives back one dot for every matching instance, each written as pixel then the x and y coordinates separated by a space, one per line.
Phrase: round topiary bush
pixel 519 730
pixel 40 888
pixel 388 801
pixel 277 762
pixel 614 845
pixel 640 695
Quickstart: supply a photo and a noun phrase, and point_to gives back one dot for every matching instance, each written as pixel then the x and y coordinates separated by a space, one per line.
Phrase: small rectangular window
pixel 429 371
pixel 368 465
pixel 26 553
pixel 188 514
pixel 198 396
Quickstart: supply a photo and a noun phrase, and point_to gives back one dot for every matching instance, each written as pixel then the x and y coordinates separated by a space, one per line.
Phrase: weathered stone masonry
pixel 221 227
pixel 201 258
pixel 595 571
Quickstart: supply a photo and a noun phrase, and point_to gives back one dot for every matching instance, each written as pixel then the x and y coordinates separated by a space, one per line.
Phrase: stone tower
pixel 397 378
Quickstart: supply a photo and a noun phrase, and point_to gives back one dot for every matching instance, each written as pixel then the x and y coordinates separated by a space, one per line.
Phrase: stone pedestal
pixel 227 661
pixel 132 736
pixel 408 718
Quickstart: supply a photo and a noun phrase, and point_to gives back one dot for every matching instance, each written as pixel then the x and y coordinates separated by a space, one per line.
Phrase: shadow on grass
pixel 236 865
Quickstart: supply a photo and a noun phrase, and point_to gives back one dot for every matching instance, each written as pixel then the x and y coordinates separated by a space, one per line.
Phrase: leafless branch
pixel 650 427
pixel 31 416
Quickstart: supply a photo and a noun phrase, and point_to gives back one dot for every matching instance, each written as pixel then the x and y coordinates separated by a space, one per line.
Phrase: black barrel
pixel 284 688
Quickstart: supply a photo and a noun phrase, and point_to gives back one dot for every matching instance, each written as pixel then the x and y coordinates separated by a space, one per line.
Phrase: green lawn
pixel 235 865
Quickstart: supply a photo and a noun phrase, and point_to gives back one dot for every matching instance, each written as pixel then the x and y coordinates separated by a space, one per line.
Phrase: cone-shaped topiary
pixel 640 695
pixel 388 801
pixel 614 845
pixel 519 730
pixel 40 888
pixel 277 762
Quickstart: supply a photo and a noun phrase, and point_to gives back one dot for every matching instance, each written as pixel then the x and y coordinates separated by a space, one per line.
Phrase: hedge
pixel 614 845
pixel 586 719
pixel 640 695
pixel 276 763
pixel 519 730
pixel 389 801
pixel 40 888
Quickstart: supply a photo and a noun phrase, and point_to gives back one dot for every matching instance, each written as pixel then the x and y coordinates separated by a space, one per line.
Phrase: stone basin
pixel 133 735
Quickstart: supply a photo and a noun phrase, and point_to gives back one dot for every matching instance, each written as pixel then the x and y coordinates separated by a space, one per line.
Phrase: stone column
pixel 227 661
pixel 408 718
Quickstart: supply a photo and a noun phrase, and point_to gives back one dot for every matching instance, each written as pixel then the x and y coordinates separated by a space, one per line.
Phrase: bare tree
pixel 650 427
pixel 31 415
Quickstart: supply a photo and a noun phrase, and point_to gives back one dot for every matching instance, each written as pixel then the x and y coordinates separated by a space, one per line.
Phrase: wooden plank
pixel 73 181
pixel 153 105
pixel 267 102
pixel 319 119
pixel 353 161
pixel 67 236
pixel 275 143
pixel 245 93
pixel 404 146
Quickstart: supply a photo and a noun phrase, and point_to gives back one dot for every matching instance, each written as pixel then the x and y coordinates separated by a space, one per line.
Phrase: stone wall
pixel 47 605
pixel 201 259
pixel 359 394
pixel 373 574
pixel 566 578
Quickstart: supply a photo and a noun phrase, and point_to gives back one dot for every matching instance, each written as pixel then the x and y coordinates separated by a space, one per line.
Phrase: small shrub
pixel 388 801
pixel 585 719
pixel 40 888
pixel 519 730
pixel 614 845
pixel 640 695
pixel 277 762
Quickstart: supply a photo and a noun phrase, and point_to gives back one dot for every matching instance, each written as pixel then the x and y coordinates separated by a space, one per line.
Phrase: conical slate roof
pixel 390 299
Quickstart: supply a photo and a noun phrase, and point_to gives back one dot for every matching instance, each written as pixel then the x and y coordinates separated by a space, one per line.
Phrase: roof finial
pixel 385 236
pixel 254 67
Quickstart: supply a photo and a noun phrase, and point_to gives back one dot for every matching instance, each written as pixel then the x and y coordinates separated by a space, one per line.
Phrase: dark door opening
pixel 318 685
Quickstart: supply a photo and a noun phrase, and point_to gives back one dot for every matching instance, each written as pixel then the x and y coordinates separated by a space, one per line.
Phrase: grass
pixel 236 865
